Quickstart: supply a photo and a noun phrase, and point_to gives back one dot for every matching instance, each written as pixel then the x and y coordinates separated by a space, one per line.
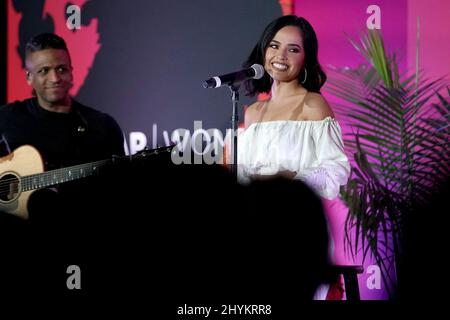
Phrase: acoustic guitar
pixel 22 173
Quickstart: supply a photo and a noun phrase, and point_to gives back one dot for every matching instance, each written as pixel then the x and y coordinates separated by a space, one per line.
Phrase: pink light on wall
pixel 16 84
pixel 337 21
pixel 434 54
pixel 333 20
pixel 83 44
pixel 287 6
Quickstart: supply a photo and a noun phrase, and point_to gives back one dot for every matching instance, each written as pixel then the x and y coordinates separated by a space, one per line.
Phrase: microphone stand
pixel 234 127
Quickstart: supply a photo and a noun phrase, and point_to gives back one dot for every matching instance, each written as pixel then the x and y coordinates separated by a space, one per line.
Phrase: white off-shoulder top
pixel 312 149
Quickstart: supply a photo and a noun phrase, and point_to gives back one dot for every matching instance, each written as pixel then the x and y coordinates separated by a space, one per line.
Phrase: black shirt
pixel 81 136
pixel 63 139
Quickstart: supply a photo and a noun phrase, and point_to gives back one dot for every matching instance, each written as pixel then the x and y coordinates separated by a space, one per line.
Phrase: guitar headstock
pixel 150 152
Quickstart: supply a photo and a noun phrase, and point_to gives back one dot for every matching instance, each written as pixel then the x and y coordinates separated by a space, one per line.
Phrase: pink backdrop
pixel 332 20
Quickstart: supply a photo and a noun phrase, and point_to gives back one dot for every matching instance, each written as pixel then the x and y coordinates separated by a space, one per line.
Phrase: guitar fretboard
pixel 58 176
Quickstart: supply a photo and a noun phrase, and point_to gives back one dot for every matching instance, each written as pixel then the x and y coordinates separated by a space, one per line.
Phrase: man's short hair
pixel 45 41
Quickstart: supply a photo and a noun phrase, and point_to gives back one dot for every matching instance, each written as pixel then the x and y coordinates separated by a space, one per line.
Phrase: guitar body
pixel 24 161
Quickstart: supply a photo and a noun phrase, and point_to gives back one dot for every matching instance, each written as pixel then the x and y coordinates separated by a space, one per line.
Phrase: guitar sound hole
pixel 9 187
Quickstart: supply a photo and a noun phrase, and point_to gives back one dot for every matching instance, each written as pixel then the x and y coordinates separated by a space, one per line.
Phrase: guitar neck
pixel 58 176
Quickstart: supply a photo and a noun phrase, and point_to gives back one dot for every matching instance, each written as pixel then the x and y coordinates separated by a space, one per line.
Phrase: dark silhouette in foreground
pixel 181 233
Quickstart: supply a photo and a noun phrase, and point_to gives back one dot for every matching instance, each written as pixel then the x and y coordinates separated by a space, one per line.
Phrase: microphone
pixel 256 71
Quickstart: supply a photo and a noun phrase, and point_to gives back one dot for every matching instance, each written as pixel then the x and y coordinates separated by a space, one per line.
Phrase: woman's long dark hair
pixel 315 75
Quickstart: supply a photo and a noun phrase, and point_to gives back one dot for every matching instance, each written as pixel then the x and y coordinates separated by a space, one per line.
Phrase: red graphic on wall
pixel 83 45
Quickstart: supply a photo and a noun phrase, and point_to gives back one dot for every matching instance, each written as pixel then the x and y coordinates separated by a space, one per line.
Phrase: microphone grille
pixel 259 71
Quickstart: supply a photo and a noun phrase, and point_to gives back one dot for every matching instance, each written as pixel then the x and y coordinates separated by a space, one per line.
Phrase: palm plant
pixel 399 145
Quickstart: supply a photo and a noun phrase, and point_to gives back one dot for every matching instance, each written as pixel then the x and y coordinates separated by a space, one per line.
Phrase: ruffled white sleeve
pixel 330 168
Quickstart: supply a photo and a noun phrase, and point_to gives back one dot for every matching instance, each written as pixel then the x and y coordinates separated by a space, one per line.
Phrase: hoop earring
pixel 306 75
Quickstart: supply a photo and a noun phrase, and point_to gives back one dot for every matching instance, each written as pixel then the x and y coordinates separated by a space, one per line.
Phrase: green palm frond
pixel 371 46
pixel 399 143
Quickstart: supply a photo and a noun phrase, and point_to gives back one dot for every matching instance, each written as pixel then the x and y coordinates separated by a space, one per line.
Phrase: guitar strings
pixel 56 174
pixel 5 184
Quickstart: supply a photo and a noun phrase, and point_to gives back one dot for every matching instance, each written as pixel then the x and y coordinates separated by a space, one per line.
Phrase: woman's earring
pixel 306 75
